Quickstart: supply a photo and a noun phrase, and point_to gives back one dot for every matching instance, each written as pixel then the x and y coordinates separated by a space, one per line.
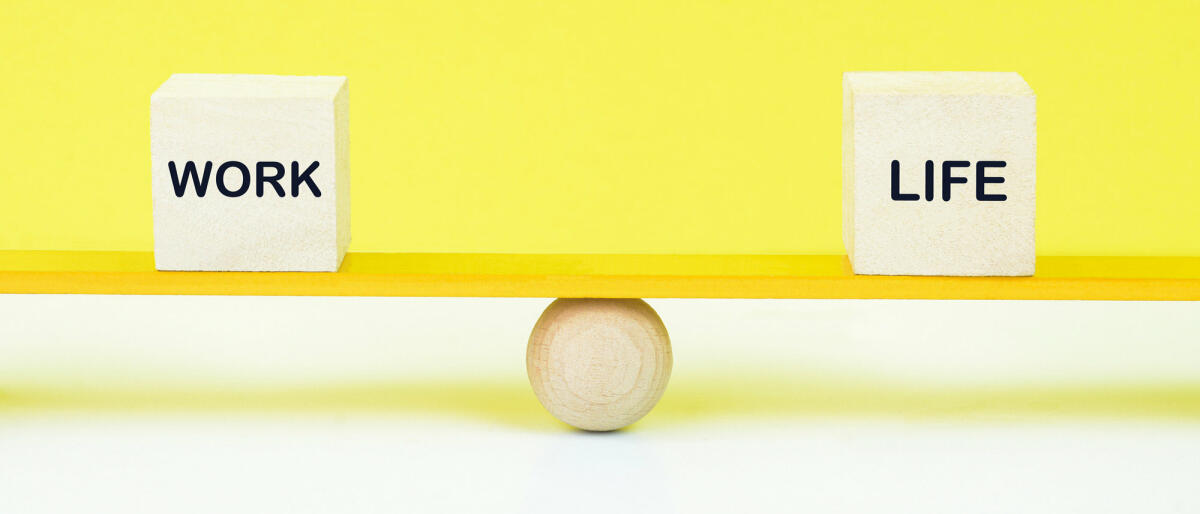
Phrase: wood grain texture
pixel 900 216
pixel 250 139
pixel 599 364
pixel 603 276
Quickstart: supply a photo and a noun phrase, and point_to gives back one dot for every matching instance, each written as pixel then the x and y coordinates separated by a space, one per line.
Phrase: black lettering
pixel 241 190
pixel 896 194
pixel 948 179
pixel 298 178
pixel 273 179
pixel 981 181
pixel 928 181
pixel 189 170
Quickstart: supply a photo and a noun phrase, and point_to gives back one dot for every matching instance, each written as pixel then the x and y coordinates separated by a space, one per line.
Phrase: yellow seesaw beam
pixel 611 276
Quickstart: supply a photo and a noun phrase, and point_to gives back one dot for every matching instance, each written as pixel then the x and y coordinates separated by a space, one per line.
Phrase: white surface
pixel 492 449
pixel 291 121
pixel 915 117
pixel 372 464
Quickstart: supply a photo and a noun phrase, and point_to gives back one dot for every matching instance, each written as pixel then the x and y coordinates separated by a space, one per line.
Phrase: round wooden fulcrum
pixel 599 364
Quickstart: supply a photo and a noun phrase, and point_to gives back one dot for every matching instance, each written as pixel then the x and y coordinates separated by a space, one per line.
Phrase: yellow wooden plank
pixel 637 276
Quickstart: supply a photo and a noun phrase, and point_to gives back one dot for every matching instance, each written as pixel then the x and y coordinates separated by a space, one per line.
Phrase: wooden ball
pixel 599 364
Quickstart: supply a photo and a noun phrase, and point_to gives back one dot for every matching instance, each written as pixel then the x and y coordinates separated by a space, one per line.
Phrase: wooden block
pixel 250 173
pixel 938 173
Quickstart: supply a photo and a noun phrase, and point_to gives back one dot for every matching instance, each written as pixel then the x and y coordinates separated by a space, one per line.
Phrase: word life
pixel 948 179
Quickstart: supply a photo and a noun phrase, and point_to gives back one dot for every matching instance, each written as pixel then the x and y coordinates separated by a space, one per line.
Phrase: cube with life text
pixel 250 172
pixel 938 173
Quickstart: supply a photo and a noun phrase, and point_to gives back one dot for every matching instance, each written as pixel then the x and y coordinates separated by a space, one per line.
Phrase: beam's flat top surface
pixel 685 276
pixel 828 266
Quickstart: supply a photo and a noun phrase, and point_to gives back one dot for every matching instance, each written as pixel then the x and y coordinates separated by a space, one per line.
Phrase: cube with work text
pixel 938 173
pixel 250 173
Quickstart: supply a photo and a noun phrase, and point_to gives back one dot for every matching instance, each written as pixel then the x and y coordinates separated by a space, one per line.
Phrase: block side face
pixel 341 116
pixel 241 231
pixel 848 168
pixel 938 83
pixel 1028 112
pixel 962 236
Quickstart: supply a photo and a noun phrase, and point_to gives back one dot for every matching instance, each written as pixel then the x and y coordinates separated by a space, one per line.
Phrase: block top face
pixel 206 85
pixel 948 83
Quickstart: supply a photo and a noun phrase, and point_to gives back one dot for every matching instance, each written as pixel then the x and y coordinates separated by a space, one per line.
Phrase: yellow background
pixel 607 127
